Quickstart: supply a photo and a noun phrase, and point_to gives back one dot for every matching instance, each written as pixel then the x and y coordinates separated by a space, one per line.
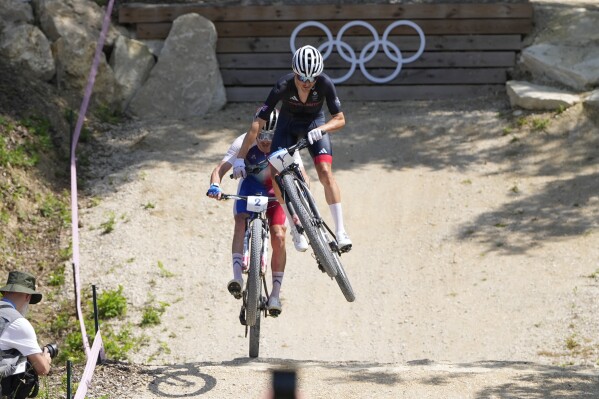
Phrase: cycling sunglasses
pixel 306 79
pixel 266 136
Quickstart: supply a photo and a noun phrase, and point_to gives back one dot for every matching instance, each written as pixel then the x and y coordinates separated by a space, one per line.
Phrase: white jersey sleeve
pixel 232 152
pixel 20 335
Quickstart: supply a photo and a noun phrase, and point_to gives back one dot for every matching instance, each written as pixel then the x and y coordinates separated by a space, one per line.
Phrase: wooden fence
pixel 468 50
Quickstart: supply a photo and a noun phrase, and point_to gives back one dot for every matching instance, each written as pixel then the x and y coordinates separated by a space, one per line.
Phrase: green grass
pixel 108 226
pixel 163 271
pixel 152 314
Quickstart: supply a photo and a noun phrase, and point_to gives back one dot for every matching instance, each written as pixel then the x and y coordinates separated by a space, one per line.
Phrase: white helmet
pixel 307 62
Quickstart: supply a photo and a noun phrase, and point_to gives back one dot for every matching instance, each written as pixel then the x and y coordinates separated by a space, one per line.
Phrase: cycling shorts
pixel 250 186
pixel 290 129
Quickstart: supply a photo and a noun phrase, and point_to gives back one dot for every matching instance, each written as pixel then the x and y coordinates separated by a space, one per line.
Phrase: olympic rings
pixel 368 52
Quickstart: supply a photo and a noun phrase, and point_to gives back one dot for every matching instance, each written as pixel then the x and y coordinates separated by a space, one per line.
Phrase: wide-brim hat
pixel 22 282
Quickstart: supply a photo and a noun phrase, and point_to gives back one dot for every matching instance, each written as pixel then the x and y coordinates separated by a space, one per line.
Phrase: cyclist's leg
pixel 322 155
pixel 276 218
pixel 235 286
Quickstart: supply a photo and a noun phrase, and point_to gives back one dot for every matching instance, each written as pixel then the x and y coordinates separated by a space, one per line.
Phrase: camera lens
pixel 52 350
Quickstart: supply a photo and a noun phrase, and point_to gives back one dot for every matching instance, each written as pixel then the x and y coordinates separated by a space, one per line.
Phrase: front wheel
pixel 254 284
pixel 255 337
pixel 298 196
pixel 343 280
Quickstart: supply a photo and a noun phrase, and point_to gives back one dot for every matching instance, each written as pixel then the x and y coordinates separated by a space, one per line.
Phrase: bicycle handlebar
pixel 300 145
pixel 224 196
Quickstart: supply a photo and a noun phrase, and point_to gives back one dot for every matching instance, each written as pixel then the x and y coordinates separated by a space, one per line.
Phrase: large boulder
pixel 74 59
pixel 26 47
pixel 83 18
pixel 74 28
pixel 186 75
pixel 131 61
pixel 15 12
pixel 566 51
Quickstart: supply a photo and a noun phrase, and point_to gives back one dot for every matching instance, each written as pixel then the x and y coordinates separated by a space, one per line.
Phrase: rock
pixel 74 56
pixel 186 75
pixel 592 101
pixel 15 12
pixel 26 47
pixel 566 49
pixel 535 97
pixel 59 18
pixel 131 62
pixel 574 67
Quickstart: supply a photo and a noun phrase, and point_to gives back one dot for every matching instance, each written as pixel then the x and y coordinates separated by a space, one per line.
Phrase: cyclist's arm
pixel 335 123
pixel 219 172
pixel 250 137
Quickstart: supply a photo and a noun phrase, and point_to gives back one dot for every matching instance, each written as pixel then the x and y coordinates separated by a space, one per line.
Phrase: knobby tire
pixel 304 213
pixel 343 281
pixel 254 285
pixel 255 337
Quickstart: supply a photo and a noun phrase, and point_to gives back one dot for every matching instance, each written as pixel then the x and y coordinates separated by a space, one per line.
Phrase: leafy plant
pixel 151 314
pixel 112 303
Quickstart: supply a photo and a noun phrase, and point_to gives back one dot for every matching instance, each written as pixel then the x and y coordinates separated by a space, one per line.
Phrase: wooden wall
pixel 469 47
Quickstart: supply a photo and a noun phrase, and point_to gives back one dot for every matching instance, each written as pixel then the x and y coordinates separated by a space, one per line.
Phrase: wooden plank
pixel 284 29
pixel 379 93
pixel 433 59
pixel 405 43
pixel 244 77
pixel 139 13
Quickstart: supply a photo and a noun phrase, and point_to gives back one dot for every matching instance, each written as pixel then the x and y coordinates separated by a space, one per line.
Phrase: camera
pixel 52 350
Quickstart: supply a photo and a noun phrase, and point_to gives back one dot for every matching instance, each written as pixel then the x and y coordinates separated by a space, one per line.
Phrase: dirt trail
pixel 474 260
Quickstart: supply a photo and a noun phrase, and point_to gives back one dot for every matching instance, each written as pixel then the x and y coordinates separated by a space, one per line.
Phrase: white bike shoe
pixel 274 306
pixel 343 241
pixel 235 288
pixel 300 242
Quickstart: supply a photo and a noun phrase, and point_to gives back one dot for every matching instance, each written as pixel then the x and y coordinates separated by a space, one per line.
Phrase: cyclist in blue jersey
pixel 255 184
pixel 302 95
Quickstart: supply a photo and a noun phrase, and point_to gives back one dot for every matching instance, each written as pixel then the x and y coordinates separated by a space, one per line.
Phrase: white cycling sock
pixel 337 213
pixel 237 266
pixel 277 281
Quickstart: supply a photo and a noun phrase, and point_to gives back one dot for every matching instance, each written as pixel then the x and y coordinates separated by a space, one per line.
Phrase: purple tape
pixel 74 208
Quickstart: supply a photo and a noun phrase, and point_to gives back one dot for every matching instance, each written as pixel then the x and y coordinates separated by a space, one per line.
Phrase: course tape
pixel 90 366
pixel 74 205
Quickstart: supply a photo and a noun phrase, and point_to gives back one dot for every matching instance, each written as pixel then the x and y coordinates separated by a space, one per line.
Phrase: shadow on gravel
pixel 563 209
pixel 180 381
pixel 478 380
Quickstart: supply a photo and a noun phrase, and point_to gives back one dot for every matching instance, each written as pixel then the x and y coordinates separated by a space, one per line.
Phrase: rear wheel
pixel 298 196
pixel 254 284
pixel 255 337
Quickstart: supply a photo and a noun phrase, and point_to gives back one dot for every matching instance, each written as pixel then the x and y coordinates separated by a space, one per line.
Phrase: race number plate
pixel 281 159
pixel 257 203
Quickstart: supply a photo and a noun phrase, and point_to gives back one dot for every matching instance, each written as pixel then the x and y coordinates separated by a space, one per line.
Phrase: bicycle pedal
pixel 242 317
pixel 345 249
pixel 274 313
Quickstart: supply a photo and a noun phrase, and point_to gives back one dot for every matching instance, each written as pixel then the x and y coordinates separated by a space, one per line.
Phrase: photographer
pixel 21 358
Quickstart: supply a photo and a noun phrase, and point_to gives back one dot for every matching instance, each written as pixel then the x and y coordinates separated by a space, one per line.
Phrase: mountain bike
pixel 301 204
pixel 255 261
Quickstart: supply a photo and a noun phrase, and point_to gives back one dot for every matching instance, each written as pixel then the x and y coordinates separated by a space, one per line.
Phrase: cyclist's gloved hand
pixel 214 191
pixel 239 168
pixel 314 135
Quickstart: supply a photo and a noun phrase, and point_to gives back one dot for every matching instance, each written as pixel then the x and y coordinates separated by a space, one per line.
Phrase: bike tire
pixel 343 281
pixel 254 284
pixel 317 241
pixel 255 337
